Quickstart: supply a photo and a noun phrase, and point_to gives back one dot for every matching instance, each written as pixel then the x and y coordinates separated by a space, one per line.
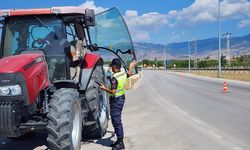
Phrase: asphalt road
pixel 171 111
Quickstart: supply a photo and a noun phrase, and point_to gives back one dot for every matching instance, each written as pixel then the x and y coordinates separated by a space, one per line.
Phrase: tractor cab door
pixel 111 33
pixel 1 30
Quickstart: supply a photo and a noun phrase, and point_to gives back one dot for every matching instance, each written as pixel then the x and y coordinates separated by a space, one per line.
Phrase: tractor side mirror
pixel 89 17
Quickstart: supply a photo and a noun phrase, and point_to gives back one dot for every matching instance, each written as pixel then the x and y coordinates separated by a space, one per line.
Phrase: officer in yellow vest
pixel 117 99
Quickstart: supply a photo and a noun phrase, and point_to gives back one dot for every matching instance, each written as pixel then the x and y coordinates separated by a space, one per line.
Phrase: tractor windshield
pixel 37 33
pixel 111 32
pixel 33 33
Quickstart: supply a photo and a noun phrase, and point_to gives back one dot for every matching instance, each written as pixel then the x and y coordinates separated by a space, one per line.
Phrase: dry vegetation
pixel 226 75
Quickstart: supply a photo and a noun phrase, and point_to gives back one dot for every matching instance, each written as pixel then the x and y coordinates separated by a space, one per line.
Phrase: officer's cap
pixel 116 61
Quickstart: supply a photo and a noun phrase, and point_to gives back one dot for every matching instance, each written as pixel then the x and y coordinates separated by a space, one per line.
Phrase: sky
pixel 164 21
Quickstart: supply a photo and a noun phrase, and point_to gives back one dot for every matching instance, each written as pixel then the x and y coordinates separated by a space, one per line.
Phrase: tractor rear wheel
pixel 98 103
pixel 65 120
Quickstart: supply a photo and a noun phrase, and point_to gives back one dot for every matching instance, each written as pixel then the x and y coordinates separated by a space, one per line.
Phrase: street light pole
pixel 219 38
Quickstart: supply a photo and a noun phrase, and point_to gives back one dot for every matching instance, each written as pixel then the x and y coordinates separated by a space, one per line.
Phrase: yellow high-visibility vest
pixel 121 78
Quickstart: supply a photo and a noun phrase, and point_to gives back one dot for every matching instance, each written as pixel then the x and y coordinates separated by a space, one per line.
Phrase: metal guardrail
pixel 225 70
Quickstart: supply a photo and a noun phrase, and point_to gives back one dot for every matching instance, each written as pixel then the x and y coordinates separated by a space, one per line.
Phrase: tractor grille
pixel 8 119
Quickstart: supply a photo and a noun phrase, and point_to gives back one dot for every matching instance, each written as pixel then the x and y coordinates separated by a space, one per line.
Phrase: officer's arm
pixel 131 68
pixel 114 84
pixel 108 90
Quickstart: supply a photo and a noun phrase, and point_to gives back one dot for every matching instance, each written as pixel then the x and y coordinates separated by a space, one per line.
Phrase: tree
pixel 246 61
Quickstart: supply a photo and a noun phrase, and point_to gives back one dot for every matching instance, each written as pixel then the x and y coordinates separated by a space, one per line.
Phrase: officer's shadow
pixel 106 141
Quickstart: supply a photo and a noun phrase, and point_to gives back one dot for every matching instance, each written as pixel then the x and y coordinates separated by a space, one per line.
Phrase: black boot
pixel 118 145
pixel 116 142
pixel 113 144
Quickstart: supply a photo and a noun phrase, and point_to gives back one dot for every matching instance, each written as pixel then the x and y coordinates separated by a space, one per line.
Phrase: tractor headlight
pixel 4 91
pixel 12 90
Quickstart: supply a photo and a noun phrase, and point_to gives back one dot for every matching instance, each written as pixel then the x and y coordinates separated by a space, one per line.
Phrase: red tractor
pixel 50 70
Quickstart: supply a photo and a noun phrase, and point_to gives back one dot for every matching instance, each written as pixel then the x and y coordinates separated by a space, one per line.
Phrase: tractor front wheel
pixel 64 120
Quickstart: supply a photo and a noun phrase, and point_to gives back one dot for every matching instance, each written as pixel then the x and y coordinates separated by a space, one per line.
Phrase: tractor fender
pixel 91 60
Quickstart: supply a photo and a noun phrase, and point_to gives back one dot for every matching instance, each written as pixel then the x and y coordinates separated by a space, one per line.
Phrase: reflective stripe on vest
pixel 121 78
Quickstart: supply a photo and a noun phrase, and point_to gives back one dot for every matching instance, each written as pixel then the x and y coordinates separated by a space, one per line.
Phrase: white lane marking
pixel 215 134
pixel 237 148
pixel 183 112
pixel 197 121
pixel 3 143
pixel 176 107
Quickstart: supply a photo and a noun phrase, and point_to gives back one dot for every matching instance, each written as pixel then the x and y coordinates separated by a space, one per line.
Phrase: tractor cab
pixel 52 32
pixel 57 31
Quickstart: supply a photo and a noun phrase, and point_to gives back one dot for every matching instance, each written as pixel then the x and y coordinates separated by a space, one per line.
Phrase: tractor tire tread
pixel 60 120
pixel 94 98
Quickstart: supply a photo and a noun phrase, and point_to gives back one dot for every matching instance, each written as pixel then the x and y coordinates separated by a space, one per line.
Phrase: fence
pixel 227 70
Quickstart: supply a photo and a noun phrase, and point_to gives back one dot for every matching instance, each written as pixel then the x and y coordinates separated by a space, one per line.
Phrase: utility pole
pixel 165 59
pixel 219 38
pixel 195 53
pixel 194 44
pixel 228 57
pixel 142 63
pixel 155 62
pixel 143 56
pixel 228 34
pixel 189 55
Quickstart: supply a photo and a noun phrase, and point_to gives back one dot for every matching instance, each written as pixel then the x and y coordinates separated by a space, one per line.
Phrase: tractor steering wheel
pixel 41 43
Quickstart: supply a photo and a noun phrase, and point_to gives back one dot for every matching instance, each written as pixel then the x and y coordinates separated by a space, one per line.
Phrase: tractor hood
pixel 18 63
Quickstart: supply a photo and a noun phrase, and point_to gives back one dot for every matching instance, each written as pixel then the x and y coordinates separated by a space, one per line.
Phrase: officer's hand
pixel 133 64
pixel 102 87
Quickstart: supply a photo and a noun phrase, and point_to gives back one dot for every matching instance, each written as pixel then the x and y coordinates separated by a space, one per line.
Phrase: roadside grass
pixel 231 75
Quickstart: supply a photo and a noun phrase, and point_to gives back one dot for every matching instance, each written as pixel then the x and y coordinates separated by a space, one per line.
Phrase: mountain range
pixel 206 48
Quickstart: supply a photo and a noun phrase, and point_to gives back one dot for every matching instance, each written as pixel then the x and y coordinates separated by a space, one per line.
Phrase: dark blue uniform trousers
pixel 116 106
